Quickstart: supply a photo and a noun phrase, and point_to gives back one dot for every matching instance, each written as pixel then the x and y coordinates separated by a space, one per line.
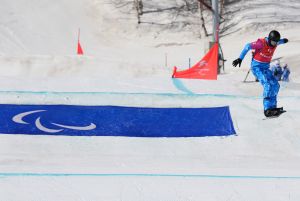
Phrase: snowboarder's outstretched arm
pixel 282 41
pixel 254 46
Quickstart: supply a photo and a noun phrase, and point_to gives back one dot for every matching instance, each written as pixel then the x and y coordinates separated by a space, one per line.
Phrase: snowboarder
pixel 264 50
pixel 286 73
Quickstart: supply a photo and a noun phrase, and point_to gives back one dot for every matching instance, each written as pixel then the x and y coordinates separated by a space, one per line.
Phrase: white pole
pixel 166 60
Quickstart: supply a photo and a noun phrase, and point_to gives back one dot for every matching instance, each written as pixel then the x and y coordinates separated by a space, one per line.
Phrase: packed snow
pixel 127 64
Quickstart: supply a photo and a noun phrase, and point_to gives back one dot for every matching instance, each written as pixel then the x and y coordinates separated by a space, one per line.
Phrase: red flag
pixel 79 49
pixel 206 68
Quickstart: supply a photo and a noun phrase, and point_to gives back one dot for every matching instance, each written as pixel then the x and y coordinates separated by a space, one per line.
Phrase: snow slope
pixel 261 15
pixel 126 65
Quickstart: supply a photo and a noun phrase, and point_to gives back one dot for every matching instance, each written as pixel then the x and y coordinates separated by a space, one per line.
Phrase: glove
pixel 237 62
pixel 285 40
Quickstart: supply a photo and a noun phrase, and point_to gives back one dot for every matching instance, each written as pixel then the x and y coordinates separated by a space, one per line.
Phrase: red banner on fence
pixel 206 68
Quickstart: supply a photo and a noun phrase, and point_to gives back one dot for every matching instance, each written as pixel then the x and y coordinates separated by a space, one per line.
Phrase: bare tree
pixel 187 4
pixel 222 7
pixel 202 19
pixel 130 7
pixel 120 4
pixel 138 4
pixel 179 15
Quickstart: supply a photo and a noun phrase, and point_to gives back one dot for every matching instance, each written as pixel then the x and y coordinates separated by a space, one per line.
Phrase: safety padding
pixel 115 121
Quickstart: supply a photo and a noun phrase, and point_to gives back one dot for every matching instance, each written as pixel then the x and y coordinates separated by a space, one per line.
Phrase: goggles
pixel 274 43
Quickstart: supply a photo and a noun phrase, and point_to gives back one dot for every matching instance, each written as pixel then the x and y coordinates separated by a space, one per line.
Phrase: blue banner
pixel 115 121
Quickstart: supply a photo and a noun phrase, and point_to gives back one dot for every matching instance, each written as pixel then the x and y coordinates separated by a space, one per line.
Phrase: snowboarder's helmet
pixel 274 36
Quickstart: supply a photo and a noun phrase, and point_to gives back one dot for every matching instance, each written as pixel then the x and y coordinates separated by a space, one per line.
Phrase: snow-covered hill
pixel 261 15
pixel 129 64
pixel 46 27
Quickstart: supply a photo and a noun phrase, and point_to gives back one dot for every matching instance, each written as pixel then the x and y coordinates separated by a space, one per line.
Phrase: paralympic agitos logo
pixel 60 127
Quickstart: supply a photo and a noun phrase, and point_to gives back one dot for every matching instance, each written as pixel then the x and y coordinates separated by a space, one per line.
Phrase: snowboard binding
pixel 274 112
